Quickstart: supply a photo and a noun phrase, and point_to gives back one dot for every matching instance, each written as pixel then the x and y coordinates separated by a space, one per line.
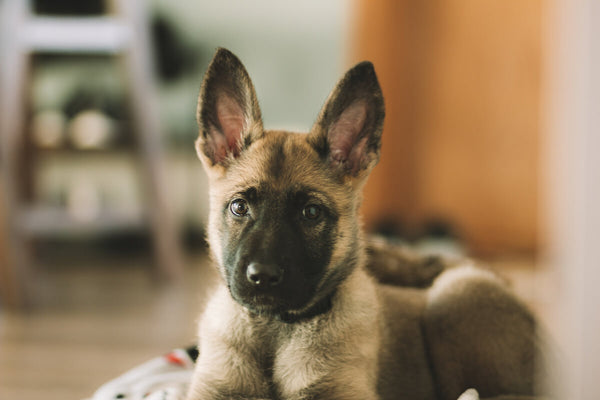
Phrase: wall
pixel 571 183
pixel 462 87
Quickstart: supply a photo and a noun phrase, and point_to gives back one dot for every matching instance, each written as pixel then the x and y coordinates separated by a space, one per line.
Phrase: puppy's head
pixel 283 225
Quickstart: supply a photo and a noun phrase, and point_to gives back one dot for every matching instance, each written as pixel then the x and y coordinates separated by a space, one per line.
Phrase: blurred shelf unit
pixel 30 134
pixel 48 221
pixel 106 35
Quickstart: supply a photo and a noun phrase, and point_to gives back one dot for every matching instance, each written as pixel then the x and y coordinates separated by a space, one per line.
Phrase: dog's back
pixel 404 366
pixel 466 330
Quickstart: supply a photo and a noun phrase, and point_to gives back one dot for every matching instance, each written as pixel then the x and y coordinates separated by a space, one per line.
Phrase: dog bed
pixel 162 378
pixel 167 378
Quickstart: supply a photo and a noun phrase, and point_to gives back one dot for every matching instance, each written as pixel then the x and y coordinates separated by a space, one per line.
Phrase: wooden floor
pixel 93 322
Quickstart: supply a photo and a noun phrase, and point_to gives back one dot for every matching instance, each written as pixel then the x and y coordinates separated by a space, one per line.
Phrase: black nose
pixel 264 275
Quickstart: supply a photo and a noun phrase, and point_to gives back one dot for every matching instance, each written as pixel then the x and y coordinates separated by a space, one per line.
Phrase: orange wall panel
pixel 461 139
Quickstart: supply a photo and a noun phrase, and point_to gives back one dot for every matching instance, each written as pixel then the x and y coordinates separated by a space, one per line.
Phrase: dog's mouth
pixel 287 305
pixel 273 302
pixel 273 307
pixel 266 303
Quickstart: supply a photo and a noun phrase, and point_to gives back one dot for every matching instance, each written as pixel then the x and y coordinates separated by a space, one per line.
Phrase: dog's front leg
pixel 227 376
pixel 233 354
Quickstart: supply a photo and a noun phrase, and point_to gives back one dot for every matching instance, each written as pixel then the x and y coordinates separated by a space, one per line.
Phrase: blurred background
pixel 488 151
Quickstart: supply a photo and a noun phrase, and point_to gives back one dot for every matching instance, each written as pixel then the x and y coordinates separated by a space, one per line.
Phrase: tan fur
pixel 349 340
pixel 347 350
pixel 440 328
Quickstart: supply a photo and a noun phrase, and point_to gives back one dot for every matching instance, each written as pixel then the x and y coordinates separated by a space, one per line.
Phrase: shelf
pixel 46 221
pixel 125 34
pixel 67 151
pixel 76 35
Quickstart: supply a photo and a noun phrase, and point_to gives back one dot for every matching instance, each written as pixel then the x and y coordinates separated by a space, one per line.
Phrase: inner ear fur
pixel 228 113
pixel 347 133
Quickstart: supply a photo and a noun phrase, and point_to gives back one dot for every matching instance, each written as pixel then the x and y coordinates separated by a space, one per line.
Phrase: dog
pixel 307 307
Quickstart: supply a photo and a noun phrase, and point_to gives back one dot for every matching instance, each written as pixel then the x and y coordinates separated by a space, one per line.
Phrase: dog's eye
pixel 311 211
pixel 239 207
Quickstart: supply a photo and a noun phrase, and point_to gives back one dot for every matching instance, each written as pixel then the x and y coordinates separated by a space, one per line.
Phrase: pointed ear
pixel 347 133
pixel 228 113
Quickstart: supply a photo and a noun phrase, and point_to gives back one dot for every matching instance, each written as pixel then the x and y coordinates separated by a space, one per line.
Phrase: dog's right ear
pixel 228 113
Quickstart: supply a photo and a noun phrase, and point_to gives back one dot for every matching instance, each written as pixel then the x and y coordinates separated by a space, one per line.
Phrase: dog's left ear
pixel 347 133
pixel 228 113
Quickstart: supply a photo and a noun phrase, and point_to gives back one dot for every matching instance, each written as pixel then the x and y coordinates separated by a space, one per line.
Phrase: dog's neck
pixel 321 307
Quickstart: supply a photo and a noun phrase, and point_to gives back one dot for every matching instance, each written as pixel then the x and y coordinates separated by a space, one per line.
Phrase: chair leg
pixel 13 69
pixel 142 96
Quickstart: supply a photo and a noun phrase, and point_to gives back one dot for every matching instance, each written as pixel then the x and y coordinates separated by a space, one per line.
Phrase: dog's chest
pixel 297 361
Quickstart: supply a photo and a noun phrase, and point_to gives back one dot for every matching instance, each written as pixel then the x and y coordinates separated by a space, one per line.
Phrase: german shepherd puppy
pixel 297 315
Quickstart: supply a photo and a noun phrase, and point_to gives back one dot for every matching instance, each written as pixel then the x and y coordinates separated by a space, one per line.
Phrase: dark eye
pixel 239 207
pixel 311 211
